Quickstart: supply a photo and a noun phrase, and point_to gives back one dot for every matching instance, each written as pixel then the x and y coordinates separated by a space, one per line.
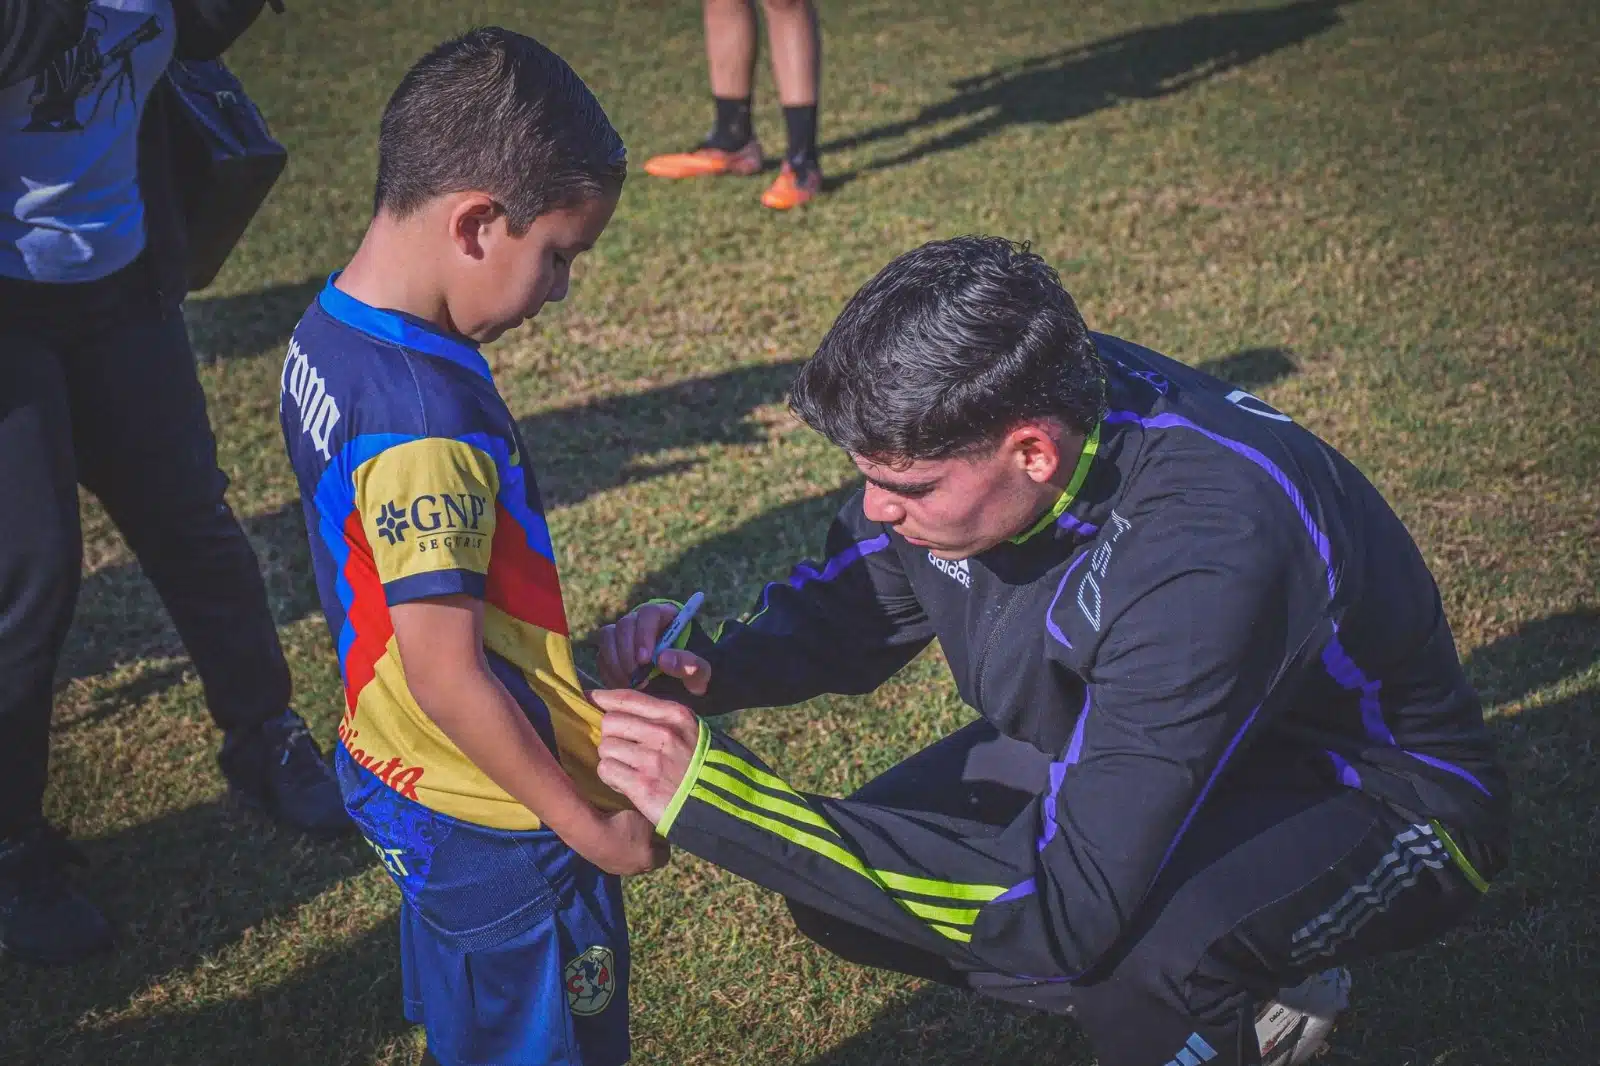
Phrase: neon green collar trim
pixel 1079 476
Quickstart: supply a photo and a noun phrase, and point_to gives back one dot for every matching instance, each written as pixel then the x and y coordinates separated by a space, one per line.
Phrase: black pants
pixel 98 387
pixel 1270 885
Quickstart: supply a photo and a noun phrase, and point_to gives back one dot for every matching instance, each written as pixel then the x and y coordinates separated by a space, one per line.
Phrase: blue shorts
pixel 513 948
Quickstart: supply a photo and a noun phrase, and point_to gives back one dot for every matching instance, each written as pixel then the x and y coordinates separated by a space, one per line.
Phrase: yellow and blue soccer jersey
pixel 415 485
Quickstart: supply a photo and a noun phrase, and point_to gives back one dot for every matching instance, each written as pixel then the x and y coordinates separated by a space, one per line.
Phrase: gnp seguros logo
pixel 434 521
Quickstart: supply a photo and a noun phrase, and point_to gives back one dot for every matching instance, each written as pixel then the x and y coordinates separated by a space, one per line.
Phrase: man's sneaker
pixel 278 769
pixel 706 162
pixel 43 918
pixel 1295 1026
pixel 793 187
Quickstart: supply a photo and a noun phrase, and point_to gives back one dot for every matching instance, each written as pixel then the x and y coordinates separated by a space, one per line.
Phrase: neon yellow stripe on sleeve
pixel 754 773
pixel 710 775
pixel 953 934
pixel 825 848
pixel 957 916
pixel 728 783
pixel 801 811
pixel 923 886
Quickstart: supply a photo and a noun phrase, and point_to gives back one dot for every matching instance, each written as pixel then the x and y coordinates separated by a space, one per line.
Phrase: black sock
pixel 732 131
pixel 802 125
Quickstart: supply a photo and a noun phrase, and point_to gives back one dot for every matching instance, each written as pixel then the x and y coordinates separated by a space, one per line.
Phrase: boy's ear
pixel 471 214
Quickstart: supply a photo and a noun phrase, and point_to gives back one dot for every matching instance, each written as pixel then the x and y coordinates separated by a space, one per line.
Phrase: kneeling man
pixel 1226 742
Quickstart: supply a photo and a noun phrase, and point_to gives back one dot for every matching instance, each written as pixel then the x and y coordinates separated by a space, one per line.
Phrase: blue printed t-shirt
pixel 70 208
pixel 414 485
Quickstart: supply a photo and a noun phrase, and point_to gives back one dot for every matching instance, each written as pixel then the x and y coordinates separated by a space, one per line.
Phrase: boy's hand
pixel 628 845
pixel 441 649
pixel 627 644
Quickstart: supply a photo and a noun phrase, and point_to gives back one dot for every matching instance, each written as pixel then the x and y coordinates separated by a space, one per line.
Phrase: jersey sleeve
pixel 427 508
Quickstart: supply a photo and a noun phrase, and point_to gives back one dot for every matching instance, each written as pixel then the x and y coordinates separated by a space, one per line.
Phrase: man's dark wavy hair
pixel 946 350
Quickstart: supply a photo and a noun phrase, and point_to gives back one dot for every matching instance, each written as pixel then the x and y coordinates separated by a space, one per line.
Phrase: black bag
pixel 225 161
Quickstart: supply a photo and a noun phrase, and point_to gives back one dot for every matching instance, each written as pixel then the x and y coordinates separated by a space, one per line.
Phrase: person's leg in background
pixel 42 917
pixel 145 449
pixel 731 58
pixel 796 43
pixel 731 146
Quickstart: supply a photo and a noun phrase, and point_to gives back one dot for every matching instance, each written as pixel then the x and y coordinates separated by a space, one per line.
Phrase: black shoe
pixel 276 768
pixel 43 918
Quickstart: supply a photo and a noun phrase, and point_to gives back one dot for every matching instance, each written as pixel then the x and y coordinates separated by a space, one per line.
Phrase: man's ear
pixel 1036 449
pixel 471 215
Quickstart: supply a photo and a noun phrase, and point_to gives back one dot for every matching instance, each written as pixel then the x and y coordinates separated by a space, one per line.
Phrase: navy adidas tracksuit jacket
pixel 1221 594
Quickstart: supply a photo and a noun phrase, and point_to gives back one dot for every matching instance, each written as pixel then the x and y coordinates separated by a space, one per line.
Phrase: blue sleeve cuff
pixel 435 583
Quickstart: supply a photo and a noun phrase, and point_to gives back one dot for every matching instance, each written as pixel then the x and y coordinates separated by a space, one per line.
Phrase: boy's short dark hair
pixel 496 112
pixel 946 350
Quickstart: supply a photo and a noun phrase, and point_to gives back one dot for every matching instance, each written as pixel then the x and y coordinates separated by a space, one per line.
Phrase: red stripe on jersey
pixel 367 615
pixel 521 582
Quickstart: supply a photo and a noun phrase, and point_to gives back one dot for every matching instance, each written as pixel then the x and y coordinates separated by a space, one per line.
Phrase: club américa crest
pixel 591 979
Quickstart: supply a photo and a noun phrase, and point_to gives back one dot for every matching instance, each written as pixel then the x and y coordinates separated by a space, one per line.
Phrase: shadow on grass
pixel 732 567
pixel 337 1011
pixel 119 619
pixel 1252 368
pixel 938 1026
pixel 178 890
pixel 1071 83
pixel 237 327
pixel 607 443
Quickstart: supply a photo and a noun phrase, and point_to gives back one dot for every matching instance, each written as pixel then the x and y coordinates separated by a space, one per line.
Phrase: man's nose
pixel 880 506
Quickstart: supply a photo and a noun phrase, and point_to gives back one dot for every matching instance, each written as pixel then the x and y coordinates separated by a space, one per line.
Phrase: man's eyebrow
pixel 903 488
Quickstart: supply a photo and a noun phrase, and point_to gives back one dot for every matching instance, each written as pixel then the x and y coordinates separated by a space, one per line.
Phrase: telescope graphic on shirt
pixel 74 74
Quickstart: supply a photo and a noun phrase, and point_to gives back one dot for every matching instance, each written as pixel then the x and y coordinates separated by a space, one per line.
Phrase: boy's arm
pixel 427 513
pixel 844 625
pixel 441 649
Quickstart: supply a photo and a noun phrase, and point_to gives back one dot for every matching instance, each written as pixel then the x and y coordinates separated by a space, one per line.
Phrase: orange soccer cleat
pixel 793 188
pixel 706 162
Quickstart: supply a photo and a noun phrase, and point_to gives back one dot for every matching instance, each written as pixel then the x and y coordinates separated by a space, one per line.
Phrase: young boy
pixel 468 751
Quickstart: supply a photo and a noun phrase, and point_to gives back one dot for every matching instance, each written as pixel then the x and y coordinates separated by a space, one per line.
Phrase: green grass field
pixel 1382 216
